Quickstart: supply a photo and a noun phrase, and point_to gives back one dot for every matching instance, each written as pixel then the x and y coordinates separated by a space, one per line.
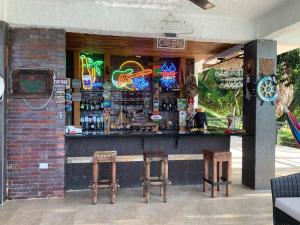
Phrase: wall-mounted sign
pixel 168 76
pixel 76 83
pixel 170 43
pixel 32 83
pixel 58 82
pixel 131 75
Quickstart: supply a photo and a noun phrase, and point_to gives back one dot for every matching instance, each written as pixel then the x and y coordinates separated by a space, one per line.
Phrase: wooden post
pixel 229 175
pixel 113 181
pixel 95 182
pixel 147 181
pixel 162 176
pixel 220 171
pixel 166 172
pixel 182 74
pixel 106 67
pixel 205 171
pixel 214 180
pixel 77 72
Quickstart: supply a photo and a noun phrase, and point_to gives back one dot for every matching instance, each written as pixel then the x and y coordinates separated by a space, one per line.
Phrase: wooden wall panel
pixel 116 45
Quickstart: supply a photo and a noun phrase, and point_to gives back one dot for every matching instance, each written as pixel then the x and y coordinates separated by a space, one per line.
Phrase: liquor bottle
pixel 97 105
pixel 92 106
pixel 87 106
pixel 93 125
pixel 170 105
pixel 82 105
pixel 98 125
pixel 82 123
pixel 164 105
pixel 101 122
pixel 175 105
pixel 90 123
pixel 102 103
pixel 86 123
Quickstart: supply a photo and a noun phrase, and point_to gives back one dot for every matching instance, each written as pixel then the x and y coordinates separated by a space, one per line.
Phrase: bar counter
pixel 129 144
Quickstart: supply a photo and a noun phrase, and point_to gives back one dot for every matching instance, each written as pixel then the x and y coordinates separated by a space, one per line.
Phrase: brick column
pixel 36 136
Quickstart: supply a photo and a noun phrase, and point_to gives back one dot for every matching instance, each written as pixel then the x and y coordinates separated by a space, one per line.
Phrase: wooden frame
pixel 18 76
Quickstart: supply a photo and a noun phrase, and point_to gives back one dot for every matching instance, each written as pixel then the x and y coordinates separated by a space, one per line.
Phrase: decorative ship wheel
pixel 267 89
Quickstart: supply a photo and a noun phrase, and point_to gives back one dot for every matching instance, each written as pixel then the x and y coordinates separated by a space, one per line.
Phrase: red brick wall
pixel 36 136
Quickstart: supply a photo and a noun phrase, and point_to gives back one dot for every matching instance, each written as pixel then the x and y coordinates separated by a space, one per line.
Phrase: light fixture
pixel 204 4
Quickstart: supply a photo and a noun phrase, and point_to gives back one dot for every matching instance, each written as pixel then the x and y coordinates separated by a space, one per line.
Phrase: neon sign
pixel 168 78
pixel 91 71
pixel 131 75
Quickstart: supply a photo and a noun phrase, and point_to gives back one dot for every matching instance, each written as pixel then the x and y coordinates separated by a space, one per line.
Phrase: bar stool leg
pixel 144 179
pixel 166 174
pixel 214 180
pixel 147 181
pixel 113 182
pixel 220 173
pixel 229 172
pixel 205 169
pixel 95 183
pixel 162 176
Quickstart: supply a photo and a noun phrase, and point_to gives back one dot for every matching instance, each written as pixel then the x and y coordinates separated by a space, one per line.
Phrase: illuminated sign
pixel 170 43
pixel 131 75
pixel 168 78
pixel 91 71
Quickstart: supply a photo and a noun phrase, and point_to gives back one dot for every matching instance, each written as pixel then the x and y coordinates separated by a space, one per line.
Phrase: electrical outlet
pixel 43 166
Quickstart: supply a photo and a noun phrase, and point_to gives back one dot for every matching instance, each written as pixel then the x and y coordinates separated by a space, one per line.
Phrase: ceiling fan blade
pixel 204 4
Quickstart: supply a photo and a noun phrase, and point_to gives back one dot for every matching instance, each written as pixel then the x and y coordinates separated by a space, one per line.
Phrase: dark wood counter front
pixel 185 166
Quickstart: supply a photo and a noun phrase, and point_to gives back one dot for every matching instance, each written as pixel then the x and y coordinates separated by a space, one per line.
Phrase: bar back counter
pixel 80 148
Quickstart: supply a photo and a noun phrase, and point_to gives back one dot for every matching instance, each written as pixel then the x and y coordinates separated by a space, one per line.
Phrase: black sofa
pixel 286 188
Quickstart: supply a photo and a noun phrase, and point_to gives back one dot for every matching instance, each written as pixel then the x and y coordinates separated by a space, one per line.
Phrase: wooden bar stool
pixel 104 157
pixel 161 180
pixel 217 158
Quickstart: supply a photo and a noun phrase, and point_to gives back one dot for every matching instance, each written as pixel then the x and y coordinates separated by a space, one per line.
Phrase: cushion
pixel 290 206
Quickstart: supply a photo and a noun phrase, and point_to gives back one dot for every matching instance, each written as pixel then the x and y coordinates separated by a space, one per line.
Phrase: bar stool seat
pixel 217 159
pixel 100 157
pixel 161 180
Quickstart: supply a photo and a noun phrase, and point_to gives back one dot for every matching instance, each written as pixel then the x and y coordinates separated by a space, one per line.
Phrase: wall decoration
pixel 92 71
pixel 266 66
pixel 131 75
pixel 267 89
pixel 168 76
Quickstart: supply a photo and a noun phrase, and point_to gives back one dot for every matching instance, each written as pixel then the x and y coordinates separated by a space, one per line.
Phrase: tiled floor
pixel 186 204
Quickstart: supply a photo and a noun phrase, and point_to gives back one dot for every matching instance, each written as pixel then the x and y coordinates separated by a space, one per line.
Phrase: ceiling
pixel 234 8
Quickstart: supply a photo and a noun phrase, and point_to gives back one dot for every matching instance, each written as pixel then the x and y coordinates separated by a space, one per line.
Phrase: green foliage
pixel 288 71
pixel 220 100
pixel 288 67
pixel 285 137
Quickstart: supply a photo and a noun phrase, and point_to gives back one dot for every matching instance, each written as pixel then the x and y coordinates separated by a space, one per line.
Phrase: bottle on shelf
pixel 92 106
pixel 170 105
pixel 82 123
pixel 93 124
pixel 86 123
pixel 175 105
pixel 82 104
pixel 97 105
pixel 87 105
pixel 98 125
pixel 164 105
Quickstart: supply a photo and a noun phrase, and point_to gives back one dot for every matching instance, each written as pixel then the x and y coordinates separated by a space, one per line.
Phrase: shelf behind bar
pixel 134 158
